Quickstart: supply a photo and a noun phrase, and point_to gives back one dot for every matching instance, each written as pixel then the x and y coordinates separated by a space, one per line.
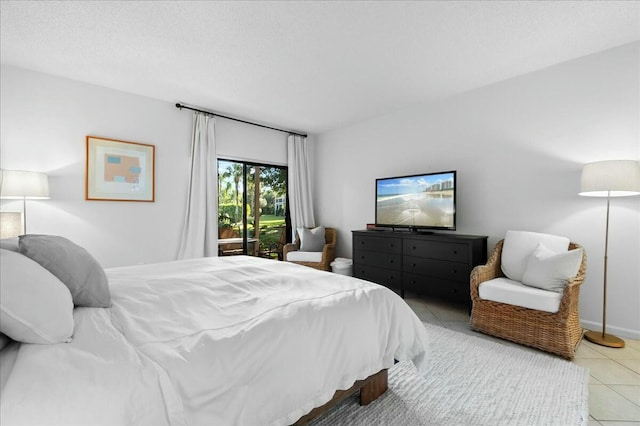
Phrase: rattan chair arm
pixel 486 272
pixel 328 254
pixel 479 274
pixel 288 248
pixel 571 293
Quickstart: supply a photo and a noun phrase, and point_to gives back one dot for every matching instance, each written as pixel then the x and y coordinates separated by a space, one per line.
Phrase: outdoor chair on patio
pixel 226 232
pixel 275 249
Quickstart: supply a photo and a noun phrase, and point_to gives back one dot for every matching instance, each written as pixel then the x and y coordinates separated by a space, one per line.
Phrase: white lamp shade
pixel 22 184
pixel 10 224
pixel 614 178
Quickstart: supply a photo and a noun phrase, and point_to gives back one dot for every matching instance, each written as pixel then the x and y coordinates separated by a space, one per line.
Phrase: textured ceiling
pixel 308 66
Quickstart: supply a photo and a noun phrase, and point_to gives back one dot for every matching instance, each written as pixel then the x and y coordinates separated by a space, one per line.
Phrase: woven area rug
pixel 473 381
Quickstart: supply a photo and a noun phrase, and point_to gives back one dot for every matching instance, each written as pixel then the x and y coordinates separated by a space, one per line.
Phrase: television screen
pixel 425 201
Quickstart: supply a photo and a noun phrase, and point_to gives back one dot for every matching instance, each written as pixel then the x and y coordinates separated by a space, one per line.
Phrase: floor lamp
pixel 615 178
pixel 23 185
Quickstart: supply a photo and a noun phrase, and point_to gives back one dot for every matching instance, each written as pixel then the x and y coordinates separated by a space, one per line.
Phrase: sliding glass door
pixel 252 208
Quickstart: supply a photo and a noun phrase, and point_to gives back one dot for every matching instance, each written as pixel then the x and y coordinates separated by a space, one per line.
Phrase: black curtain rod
pixel 180 106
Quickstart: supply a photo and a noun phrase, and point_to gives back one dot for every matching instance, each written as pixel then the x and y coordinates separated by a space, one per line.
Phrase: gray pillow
pixel 73 265
pixel 311 239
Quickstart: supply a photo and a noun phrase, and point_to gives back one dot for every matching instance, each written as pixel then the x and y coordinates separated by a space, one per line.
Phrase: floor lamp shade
pixel 23 185
pixel 20 184
pixel 614 178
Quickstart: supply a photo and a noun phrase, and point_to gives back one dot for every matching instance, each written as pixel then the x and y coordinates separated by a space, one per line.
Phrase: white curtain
pixel 200 229
pixel 300 196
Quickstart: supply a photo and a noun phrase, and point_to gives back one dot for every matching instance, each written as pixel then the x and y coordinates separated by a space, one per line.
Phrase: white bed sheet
pixel 226 341
pixel 97 379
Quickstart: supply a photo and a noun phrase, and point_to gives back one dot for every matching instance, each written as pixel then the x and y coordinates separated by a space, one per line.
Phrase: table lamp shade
pixel 21 184
pixel 614 178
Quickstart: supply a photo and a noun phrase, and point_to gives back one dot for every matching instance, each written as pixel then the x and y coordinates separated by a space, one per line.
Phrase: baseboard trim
pixel 617 331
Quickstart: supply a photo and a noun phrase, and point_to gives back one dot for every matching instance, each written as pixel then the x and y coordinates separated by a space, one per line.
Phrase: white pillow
pixel 311 239
pixel 551 271
pixel 9 244
pixel 518 245
pixel 35 306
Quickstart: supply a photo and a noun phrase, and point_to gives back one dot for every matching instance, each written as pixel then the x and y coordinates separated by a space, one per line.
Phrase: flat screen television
pixel 426 201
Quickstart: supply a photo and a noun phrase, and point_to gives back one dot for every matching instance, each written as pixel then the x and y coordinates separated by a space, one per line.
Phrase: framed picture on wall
pixel 119 170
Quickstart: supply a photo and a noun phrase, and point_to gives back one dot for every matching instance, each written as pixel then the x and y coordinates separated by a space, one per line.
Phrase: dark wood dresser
pixel 429 264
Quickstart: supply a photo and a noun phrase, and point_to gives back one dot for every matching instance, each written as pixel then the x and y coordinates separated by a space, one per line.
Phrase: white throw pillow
pixel 551 271
pixel 518 245
pixel 9 244
pixel 311 239
pixel 35 306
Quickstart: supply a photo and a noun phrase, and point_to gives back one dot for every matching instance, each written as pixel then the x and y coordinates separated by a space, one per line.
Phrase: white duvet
pixel 216 341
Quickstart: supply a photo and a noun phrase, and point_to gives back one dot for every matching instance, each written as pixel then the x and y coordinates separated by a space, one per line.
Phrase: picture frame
pixel 118 170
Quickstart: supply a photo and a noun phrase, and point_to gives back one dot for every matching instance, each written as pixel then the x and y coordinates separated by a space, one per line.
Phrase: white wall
pixel 44 121
pixel 518 146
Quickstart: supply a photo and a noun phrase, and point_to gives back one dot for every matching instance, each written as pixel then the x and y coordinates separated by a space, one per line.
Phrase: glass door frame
pixel 246 165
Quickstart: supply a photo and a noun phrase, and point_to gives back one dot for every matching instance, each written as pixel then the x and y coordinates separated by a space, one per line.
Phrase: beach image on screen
pixel 416 201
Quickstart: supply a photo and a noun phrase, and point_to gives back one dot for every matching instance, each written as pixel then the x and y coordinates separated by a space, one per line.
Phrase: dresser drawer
pixel 391 245
pixel 436 250
pixel 433 286
pixel 453 271
pixel 377 259
pixel 386 277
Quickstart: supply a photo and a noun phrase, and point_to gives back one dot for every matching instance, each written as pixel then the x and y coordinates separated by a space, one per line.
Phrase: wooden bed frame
pixel 370 389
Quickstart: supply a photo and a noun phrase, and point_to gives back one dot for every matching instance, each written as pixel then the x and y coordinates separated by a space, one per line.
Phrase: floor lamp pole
pixel 603 338
pixel 24 213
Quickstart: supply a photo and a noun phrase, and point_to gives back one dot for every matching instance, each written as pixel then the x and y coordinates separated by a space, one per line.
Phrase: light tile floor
pixel 614 386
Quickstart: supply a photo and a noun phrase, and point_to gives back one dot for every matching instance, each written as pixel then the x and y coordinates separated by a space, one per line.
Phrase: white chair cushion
pixel 304 256
pixel 518 245
pixel 512 292
pixel 551 271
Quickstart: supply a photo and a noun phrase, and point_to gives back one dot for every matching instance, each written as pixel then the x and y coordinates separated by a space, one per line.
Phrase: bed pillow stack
pixel 73 265
pixel 40 284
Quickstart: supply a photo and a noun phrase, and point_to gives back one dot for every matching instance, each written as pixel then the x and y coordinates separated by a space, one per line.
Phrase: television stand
pixel 428 264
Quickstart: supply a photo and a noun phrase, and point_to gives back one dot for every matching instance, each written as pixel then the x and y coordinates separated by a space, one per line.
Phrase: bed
pixel 233 340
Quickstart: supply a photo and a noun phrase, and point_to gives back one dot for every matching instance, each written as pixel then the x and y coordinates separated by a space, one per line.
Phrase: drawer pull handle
pixel 455 252
pixel 413 264
pixel 414 247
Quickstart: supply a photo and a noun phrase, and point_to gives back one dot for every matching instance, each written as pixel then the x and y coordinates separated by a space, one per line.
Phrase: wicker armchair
pixel 328 251
pixel 559 332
